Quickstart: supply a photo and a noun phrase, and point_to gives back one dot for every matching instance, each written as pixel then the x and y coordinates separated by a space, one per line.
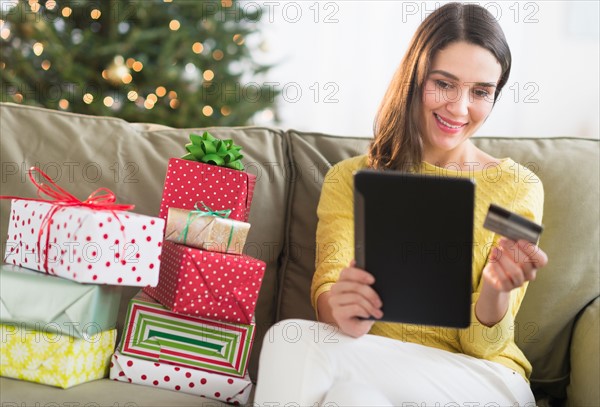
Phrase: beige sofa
pixel 558 326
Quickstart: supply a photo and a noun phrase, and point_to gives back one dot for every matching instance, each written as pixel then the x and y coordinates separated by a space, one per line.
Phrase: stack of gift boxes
pixel 193 332
pixel 58 326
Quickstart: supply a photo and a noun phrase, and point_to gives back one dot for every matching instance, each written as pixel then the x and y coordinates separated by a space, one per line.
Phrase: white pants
pixel 306 363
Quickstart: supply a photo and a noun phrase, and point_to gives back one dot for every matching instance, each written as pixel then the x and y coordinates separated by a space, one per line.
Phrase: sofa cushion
pixel 568 168
pixel 82 153
pixel 312 155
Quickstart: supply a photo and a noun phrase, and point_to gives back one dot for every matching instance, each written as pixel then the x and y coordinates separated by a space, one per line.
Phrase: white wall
pixel 350 50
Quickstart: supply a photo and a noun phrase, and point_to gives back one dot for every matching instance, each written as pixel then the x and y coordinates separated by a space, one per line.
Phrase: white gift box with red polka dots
pixel 218 286
pixel 232 390
pixel 85 245
pixel 189 182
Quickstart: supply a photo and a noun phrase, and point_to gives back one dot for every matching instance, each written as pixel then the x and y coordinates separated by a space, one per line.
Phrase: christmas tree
pixel 181 63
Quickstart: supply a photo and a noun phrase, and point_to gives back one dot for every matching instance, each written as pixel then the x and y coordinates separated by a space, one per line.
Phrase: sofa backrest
pixel 82 153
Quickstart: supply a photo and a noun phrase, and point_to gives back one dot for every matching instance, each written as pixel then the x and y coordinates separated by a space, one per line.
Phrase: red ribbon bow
pixel 101 199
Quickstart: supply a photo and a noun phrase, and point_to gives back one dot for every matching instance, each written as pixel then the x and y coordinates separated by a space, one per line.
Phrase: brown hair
pixel 397 144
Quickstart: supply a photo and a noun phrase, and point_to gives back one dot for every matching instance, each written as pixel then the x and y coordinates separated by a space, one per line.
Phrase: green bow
pixel 209 150
pixel 192 215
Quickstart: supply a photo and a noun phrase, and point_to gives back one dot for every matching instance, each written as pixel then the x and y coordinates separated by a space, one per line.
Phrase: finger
pixel 534 252
pixel 348 312
pixel 348 299
pixel 358 275
pixel 495 274
pixel 363 290
pixel 532 275
pixel 511 270
pixel 518 256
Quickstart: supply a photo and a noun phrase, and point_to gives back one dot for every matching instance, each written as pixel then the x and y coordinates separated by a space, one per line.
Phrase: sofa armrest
pixel 583 389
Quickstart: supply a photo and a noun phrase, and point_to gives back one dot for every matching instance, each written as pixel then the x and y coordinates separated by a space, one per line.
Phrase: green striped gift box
pixel 152 332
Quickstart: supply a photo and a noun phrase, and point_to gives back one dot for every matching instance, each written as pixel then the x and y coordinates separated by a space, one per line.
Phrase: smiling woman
pixel 457 99
pixel 444 90
pixel 453 57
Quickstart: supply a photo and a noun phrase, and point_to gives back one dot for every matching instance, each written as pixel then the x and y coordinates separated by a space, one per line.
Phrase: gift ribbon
pixel 192 215
pixel 210 150
pixel 101 199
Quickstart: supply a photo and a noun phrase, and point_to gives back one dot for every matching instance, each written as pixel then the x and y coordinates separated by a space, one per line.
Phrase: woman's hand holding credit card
pixel 517 258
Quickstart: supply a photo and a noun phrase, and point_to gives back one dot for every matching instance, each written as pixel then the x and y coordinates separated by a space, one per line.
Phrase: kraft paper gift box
pixel 201 230
pixel 232 390
pixel 54 359
pixel 218 286
pixel 85 245
pixel 154 333
pixel 51 304
pixel 189 182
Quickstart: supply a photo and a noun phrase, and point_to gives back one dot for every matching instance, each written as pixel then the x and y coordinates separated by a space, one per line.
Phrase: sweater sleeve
pixel 335 229
pixel 488 342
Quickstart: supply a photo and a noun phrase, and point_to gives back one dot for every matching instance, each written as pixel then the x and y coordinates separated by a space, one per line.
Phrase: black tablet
pixel 414 233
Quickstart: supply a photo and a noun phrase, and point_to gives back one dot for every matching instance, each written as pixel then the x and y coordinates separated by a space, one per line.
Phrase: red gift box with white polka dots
pixel 233 390
pixel 218 286
pixel 85 245
pixel 189 182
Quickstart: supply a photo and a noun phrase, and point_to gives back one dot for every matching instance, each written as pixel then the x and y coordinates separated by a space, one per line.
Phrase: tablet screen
pixel 414 233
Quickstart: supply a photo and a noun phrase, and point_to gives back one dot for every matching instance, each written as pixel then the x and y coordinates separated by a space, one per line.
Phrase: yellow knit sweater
pixel 507 184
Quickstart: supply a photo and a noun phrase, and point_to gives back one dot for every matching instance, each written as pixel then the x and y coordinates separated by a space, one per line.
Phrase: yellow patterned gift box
pixel 53 358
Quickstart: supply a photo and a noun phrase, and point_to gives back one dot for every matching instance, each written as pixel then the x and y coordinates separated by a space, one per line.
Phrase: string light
pixel 225 110
pixel 137 66
pixel 197 47
pixel 63 104
pixel 66 11
pixel 172 95
pixel 35 6
pixel 239 39
pixel 174 104
pixel 46 64
pixel 95 14
pixel 161 91
pixel 130 62
pixel 5 33
pixel 108 101
pixel 218 55
pixel 208 75
pixel 132 95
pixel 148 104
pixel 38 48
pixel 152 98
pixel 226 3
pixel 50 4
pixel 88 98
pixel 18 97
pixel 117 72
pixel 174 25
pixel 207 110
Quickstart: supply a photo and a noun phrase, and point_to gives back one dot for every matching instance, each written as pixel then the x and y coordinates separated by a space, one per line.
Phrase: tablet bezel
pixel 436 214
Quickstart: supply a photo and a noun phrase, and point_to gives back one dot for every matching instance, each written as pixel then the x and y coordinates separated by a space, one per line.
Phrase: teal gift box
pixel 48 303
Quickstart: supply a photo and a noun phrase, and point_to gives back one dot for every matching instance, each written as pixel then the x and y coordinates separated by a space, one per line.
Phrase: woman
pixel 445 88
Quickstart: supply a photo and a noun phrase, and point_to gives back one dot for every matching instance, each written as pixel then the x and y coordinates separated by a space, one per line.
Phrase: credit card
pixel 511 225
